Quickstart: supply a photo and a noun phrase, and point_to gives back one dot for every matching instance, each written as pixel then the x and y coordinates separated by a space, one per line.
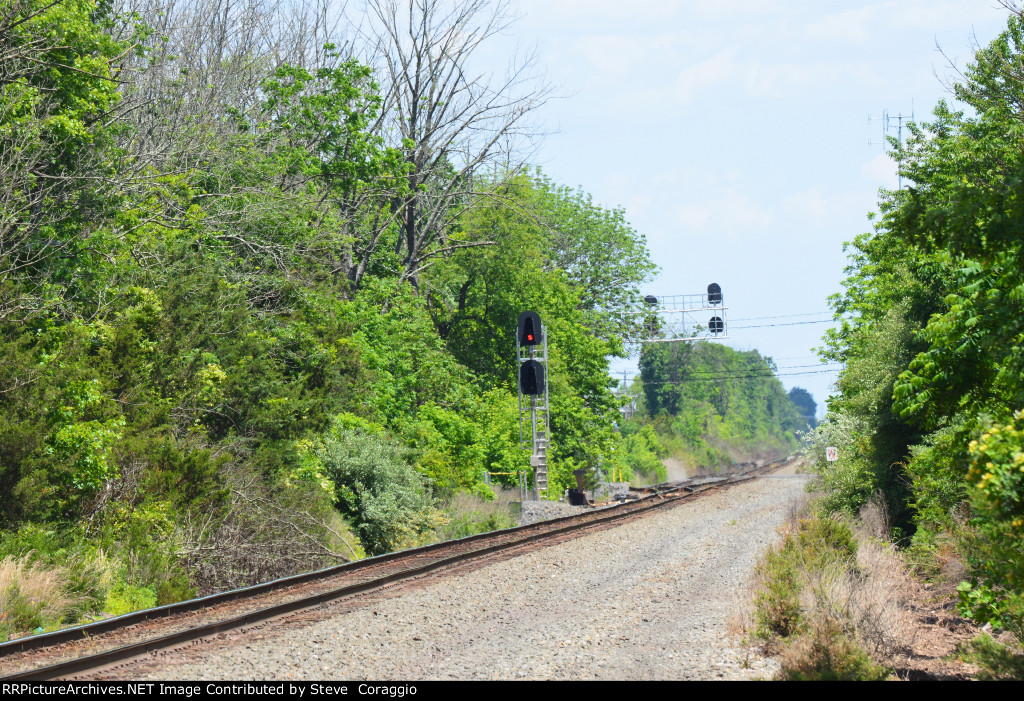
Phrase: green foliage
pixel 59 149
pixel 82 566
pixel 805 404
pixel 997 473
pixel 938 470
pixel 642 451
pixel 802 605
pixel 850 482
pixel 209 322
pixel 471 514
pixel 932 337
pixel 777 604
pixel 18 612
pixel 125 598
pixel 325 116
pixel 477 295
pixel 998 662
pixel 448 444
pixel 384 497
pixel 994 547
pixel 813 546
pixel 601 255
pixel 827 653
pixel 716 404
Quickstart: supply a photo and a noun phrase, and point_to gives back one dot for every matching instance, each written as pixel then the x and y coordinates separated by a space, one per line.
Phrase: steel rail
pixel 542 531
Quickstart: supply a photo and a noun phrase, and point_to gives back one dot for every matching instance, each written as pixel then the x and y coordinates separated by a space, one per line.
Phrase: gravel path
pixel 649 599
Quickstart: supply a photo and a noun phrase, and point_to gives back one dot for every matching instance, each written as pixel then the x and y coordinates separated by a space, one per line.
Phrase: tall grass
pixel 33 596
pixel 832 600
pixel 469 514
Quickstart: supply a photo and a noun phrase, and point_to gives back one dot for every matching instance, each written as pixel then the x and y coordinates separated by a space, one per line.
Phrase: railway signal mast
pixel 683 318
pixel 532 357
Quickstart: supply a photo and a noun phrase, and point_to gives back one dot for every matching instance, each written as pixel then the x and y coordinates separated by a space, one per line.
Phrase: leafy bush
pixel 835 603
pixel 777 603
pixel 642 451
pixel 812 546
pixel 386 499
pixel 124 598
pixel 995 548
pixel 997 661
pixel 849 483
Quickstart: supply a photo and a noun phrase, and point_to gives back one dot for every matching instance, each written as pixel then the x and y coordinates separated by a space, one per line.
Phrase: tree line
pixel 260 269
pixel 931 330
pixel 711 406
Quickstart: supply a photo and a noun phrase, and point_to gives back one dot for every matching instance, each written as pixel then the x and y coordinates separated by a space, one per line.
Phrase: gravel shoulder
pixel 650 599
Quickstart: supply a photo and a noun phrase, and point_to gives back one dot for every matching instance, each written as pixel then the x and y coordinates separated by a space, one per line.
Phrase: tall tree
pixel 452 117
pixel 59 104
pixel 933 336
pixel 804 403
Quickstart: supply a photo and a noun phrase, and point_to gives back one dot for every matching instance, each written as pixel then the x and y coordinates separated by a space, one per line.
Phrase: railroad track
pixel 87 648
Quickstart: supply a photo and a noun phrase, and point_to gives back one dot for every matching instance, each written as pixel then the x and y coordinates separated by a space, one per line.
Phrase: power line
pixel 792 323
pixel 821 366
pixel 743 377
pixel 783 316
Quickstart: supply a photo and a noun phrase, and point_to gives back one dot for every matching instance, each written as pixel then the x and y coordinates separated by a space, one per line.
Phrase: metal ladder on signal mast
pixel 539 461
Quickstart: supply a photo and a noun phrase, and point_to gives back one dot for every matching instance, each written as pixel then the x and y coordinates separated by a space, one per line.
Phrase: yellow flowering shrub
pixel 997 472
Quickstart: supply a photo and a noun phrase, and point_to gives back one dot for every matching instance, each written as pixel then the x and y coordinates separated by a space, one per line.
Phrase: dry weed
pixel 851 592
pixel 468 514
pixel 464 503
pixel 799 507
pixel 882 603
pixel 874 518
pixel 32 595
pixel 870 602
pixel 740 623
pixel 828 653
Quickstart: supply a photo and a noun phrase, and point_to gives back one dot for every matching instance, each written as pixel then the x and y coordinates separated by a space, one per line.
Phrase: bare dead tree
pixel 208 58
pixel 204 64
pixel 452 116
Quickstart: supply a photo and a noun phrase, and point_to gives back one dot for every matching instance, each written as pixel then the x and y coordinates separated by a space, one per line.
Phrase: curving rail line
pixel 89 647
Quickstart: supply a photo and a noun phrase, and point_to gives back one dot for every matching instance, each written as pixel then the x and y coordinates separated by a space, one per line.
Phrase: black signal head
pixel 529 331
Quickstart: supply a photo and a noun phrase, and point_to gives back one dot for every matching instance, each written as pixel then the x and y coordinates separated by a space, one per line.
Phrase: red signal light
pixel 529 337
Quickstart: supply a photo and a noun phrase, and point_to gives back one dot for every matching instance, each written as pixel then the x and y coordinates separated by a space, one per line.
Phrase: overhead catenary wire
pixel 820 366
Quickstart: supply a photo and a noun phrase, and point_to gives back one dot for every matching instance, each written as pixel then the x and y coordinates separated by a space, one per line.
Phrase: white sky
pixel 736 136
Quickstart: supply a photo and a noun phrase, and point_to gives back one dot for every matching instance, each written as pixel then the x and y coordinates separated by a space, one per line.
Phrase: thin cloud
pixel 881 170
pixel 726 212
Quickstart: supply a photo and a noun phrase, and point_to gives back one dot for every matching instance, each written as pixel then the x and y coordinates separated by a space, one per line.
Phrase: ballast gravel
pixel 650 599
pixel 534 511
